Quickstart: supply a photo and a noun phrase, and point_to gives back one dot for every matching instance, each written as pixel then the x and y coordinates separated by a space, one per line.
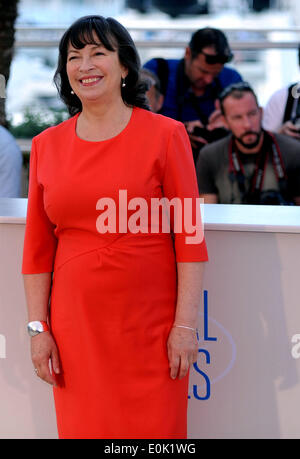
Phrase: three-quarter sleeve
pixel 180 182
pixel 40 241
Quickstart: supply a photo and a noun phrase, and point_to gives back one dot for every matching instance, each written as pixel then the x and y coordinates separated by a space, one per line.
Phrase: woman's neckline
pixel 120 134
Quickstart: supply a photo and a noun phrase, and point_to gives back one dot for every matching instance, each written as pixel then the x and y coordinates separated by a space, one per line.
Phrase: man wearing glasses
pixel 191 86
pixel 250 165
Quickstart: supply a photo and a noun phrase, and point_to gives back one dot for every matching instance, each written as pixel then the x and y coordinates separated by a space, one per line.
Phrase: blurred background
pixel 263 34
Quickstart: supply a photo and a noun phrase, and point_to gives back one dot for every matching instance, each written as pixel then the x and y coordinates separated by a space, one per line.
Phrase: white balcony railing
pixel 170 37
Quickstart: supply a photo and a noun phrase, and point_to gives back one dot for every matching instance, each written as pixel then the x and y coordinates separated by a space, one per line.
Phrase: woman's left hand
pixel 182 351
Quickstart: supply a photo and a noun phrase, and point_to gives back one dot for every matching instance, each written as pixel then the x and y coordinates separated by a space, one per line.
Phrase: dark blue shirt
pixel 180 102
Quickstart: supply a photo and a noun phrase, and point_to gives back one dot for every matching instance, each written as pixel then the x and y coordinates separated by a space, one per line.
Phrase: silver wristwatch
pixel 36 327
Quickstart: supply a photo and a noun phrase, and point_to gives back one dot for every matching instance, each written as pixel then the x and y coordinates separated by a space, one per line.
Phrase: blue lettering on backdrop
pixel 206 337
pixel 205 352
pixel 195 390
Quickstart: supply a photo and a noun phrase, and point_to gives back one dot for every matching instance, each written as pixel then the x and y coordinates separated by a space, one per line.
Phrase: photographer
pixel 251 165
pixel 10 165
pixel 154 96
pixel 282 112
pixel 191 85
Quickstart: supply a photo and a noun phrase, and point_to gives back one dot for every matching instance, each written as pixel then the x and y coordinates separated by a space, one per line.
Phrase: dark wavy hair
pixel 208 37
pixel 114 37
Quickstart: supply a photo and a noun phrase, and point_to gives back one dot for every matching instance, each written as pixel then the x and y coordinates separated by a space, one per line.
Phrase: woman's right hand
pixel 43 352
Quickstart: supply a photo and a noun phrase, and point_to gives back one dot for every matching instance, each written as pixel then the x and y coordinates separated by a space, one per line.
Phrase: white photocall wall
pixel 246 380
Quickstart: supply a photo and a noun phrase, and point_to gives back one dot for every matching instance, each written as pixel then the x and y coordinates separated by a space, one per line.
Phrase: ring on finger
pixel 36 371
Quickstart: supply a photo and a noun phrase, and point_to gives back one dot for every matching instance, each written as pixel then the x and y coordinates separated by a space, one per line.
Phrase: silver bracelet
pixel 184 326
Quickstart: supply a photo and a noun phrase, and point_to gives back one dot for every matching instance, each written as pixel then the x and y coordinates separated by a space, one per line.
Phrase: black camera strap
pixel 292 107
pixel 237 173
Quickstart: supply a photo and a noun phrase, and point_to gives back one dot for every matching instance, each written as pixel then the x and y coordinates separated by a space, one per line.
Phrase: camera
pixel 268 198
pixel 210 136
pixel 296 123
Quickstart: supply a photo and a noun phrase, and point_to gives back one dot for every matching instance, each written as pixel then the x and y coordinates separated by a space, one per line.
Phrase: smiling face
pixel 94 72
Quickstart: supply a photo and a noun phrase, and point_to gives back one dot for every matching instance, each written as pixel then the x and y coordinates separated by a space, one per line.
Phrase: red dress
pixel 113 295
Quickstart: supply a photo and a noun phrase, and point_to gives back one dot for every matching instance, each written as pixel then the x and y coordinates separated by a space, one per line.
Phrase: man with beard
pixel 251 165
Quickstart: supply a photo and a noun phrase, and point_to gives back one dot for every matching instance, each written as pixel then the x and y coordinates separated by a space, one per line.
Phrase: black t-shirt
pixel 213 170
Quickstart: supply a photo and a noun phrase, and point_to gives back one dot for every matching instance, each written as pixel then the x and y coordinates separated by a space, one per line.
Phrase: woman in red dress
pixel 116 309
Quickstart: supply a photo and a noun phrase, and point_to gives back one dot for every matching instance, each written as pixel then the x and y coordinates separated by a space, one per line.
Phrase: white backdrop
pixel 246 381
pixel 253 311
